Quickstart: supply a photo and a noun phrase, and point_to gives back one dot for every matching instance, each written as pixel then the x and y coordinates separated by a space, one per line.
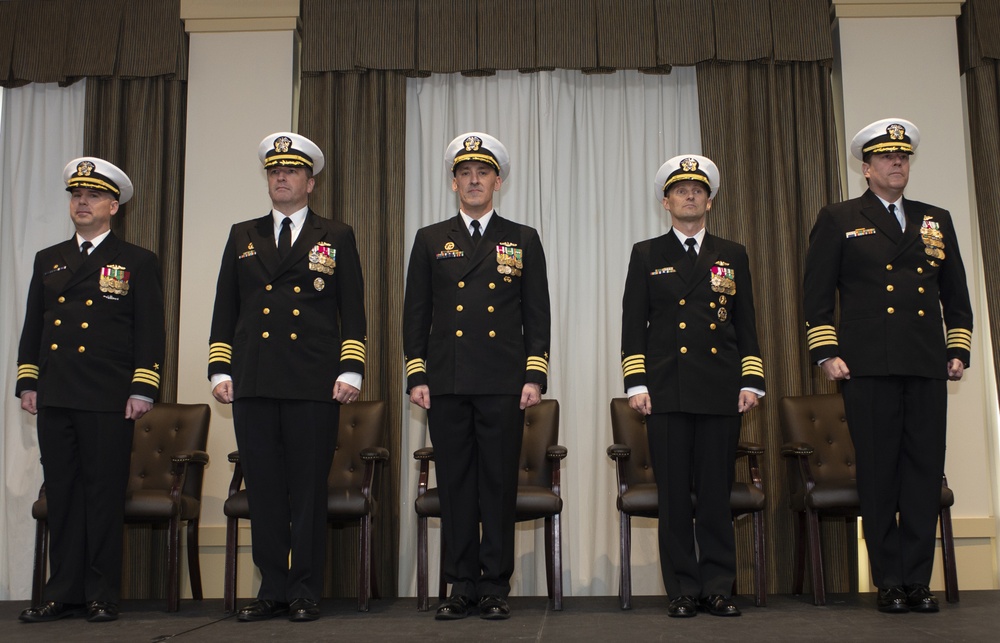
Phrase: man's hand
pixel 421 396
pixel 641 403
pixel 531 394
pixel 836 369
pixel 748 400
pixel 136 408
pixel 955 371
pixel 224 392
pixel 29 401
pixel 344 393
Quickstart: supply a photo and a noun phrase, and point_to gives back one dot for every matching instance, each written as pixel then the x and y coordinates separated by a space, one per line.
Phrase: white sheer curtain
pixel 584 151
pixel 40 131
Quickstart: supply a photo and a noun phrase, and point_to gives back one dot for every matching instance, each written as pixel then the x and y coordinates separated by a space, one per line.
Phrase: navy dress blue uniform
pixel 93 337
pixel 689 341
pixel 285 330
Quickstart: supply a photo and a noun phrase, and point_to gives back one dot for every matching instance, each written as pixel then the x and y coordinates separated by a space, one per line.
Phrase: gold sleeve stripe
pixel 633 365
pixel 142 378
pixel 221 347
pixel 27 370
pixel 220 352
pixel 537 364
pixel 416 365
pixel 960 338
pixel 352 349
pixel 821 336
pixel 753 365
pixel 145 372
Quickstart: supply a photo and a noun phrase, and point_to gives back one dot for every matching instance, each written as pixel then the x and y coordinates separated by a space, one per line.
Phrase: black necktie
pixel 85 248
pixel 476 234
pixel 691 253
pixel 285 238
pixel 892 211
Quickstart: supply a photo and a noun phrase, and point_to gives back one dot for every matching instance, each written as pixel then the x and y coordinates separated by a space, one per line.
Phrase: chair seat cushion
pixel 139 506
pixel 532 503
pixel 341 504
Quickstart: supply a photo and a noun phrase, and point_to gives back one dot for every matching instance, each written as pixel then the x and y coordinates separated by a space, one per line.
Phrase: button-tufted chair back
pixel 541 430
pixel 362 425
pixel 166 430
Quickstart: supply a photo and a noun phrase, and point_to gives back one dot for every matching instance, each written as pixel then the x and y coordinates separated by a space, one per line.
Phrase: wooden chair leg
pixel 625 538
pixel 800 553
pixel 948 556
pixel 232 546
pixel 556 566
pixel 548 556
pixel 364 573
pixel 816 558
pixel 40 569
pixel 759 560
pixel 373 573
pixel 194 563
pixel 422 599
pixel 174 564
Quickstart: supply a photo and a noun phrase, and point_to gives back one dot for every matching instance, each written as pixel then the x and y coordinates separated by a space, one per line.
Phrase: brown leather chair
pixel 538 488
pixel 637 494
pixel 822 482
pixel 352 478
pixel 165 478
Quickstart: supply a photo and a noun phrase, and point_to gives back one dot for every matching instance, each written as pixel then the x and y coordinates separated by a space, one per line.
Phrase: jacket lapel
pixel 873 210
pixel 262 238
pixel 85 267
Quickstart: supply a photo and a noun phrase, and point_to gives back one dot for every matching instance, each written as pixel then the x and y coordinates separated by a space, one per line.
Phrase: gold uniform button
pixel 920 313
pixel 459 308
pixel 493 333
pixel 890 310
pixel 81 349
pixel 889 288
pixel 267 311
pixel 711 304
pixel 54 346
pixel 58 322
pixel 888 266
pixel 489 309
pixel 90 302
pixel 294 336
pixel 492 285
pixel 461 284
pixel 714 350
pixel 458 333
pixel 712 326
pixel 268 287
pixel 265 334
pixel 297 289
pixel 84 325
pixel 682 325
pixel 61 300
pixel 682 302
pixel 684 349
pixel 296 312
pixel 920 271
pixel 920 290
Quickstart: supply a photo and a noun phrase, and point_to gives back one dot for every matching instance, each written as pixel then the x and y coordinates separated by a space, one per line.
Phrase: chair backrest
pixel 820 422
pixel 541 430
pixel 362 426
pixel 628 427
pixel 168 429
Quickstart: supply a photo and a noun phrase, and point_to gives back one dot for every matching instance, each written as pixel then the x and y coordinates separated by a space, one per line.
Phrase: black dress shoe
pixel 455 608
pixel 920 599
pixel 719 605
pixel 493 608
pixel 682 607
pixel 303 609
pixel 102 611
pixel 51 611
pixel 261 610
pixel 892 600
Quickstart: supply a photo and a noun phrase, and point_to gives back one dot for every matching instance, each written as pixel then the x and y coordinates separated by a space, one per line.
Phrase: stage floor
pixel 845 617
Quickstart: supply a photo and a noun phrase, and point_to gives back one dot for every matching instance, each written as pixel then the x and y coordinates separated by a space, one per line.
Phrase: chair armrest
pixel 424 453
pixel 619 451
pixel 749 448
pixel 556 452
pixel 375 453
pixel 796 449
pixel 194 457
pixel 234 457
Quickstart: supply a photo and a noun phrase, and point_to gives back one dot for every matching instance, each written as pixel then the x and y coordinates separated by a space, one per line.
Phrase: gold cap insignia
pixel 282 144
pixel 473 143
pixel 896 132
pixel 689 165
pixel 84 168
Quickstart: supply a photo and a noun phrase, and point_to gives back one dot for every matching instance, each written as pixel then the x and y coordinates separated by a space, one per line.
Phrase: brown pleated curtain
pixel 979 56
pixel 766 118
pixel 133 54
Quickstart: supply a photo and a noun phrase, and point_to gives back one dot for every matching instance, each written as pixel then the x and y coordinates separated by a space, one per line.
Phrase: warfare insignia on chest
pixel 449 252
pixel 323 258
pixel 319 284
pixel 450 245
pixel 723 280
pixel 114 279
